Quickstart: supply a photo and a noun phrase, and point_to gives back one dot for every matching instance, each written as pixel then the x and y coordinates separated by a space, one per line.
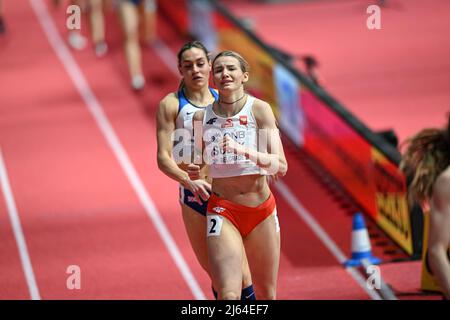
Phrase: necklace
pixel 233 101
pixel 236 111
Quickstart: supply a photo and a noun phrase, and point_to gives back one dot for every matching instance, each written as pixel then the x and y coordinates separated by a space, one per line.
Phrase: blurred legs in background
pixel 129 15
pixel 148 19
pixel 2 21
pixel 98 27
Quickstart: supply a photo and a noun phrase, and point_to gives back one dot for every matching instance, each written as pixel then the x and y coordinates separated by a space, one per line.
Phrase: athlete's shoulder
pixel 170 102
pixel 260 106
pixel 262 111
pixel 168 106
pixel 169 99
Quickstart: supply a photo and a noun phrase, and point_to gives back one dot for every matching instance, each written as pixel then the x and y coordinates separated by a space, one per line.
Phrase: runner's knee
pixel 229 295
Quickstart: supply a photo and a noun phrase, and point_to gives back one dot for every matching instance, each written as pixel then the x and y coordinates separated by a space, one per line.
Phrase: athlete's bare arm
pixel 439 233
pixel 167 113
pixel 165 124
pixel 272 158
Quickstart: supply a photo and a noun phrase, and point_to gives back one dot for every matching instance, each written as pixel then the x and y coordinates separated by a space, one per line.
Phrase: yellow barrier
pixel 428 281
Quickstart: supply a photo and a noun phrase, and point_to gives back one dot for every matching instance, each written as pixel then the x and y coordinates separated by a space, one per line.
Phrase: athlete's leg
pixel 2 22
pixel 98 27
pixel 225 251
pixel 262 246
pixel 130 23
pixel 195 225
pixel 148 13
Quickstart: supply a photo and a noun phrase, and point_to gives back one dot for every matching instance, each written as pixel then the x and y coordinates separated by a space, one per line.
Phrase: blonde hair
pixel 245 67
pixel 427 155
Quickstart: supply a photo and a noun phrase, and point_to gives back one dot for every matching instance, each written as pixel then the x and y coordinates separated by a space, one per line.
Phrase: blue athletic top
pixel 183 101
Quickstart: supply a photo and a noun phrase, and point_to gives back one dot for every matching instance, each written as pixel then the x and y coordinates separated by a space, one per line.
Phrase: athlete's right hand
pixel 193 171
pixel 200 188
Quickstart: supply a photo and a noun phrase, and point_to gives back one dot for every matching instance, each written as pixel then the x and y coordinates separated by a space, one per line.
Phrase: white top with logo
pixel 241 127
pixel 184 138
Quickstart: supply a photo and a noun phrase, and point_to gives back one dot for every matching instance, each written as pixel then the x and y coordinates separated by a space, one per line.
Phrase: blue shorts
pixel 188 198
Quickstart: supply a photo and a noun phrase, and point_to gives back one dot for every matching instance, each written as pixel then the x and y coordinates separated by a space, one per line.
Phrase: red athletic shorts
pixel 244 218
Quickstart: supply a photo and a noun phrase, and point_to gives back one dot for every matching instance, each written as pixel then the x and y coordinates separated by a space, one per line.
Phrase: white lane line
pixel 111 137
pixel 167 56
pixel 306 216
pixel 18 233
pixel 385 291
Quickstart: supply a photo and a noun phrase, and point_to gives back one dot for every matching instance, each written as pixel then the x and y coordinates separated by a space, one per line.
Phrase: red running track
pixel 394 78
pixel 76 204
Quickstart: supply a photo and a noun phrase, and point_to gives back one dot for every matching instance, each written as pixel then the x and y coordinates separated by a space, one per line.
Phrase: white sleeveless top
pixel 241 127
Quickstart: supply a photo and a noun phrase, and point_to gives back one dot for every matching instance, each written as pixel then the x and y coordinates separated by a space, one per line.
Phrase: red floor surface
pixel 397 77
pixel 77 206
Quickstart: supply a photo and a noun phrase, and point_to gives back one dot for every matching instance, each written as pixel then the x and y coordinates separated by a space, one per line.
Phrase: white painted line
pixel 167 56
pixel 18 233
pixel 323 236
pixel 385 290
pixel 94 107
